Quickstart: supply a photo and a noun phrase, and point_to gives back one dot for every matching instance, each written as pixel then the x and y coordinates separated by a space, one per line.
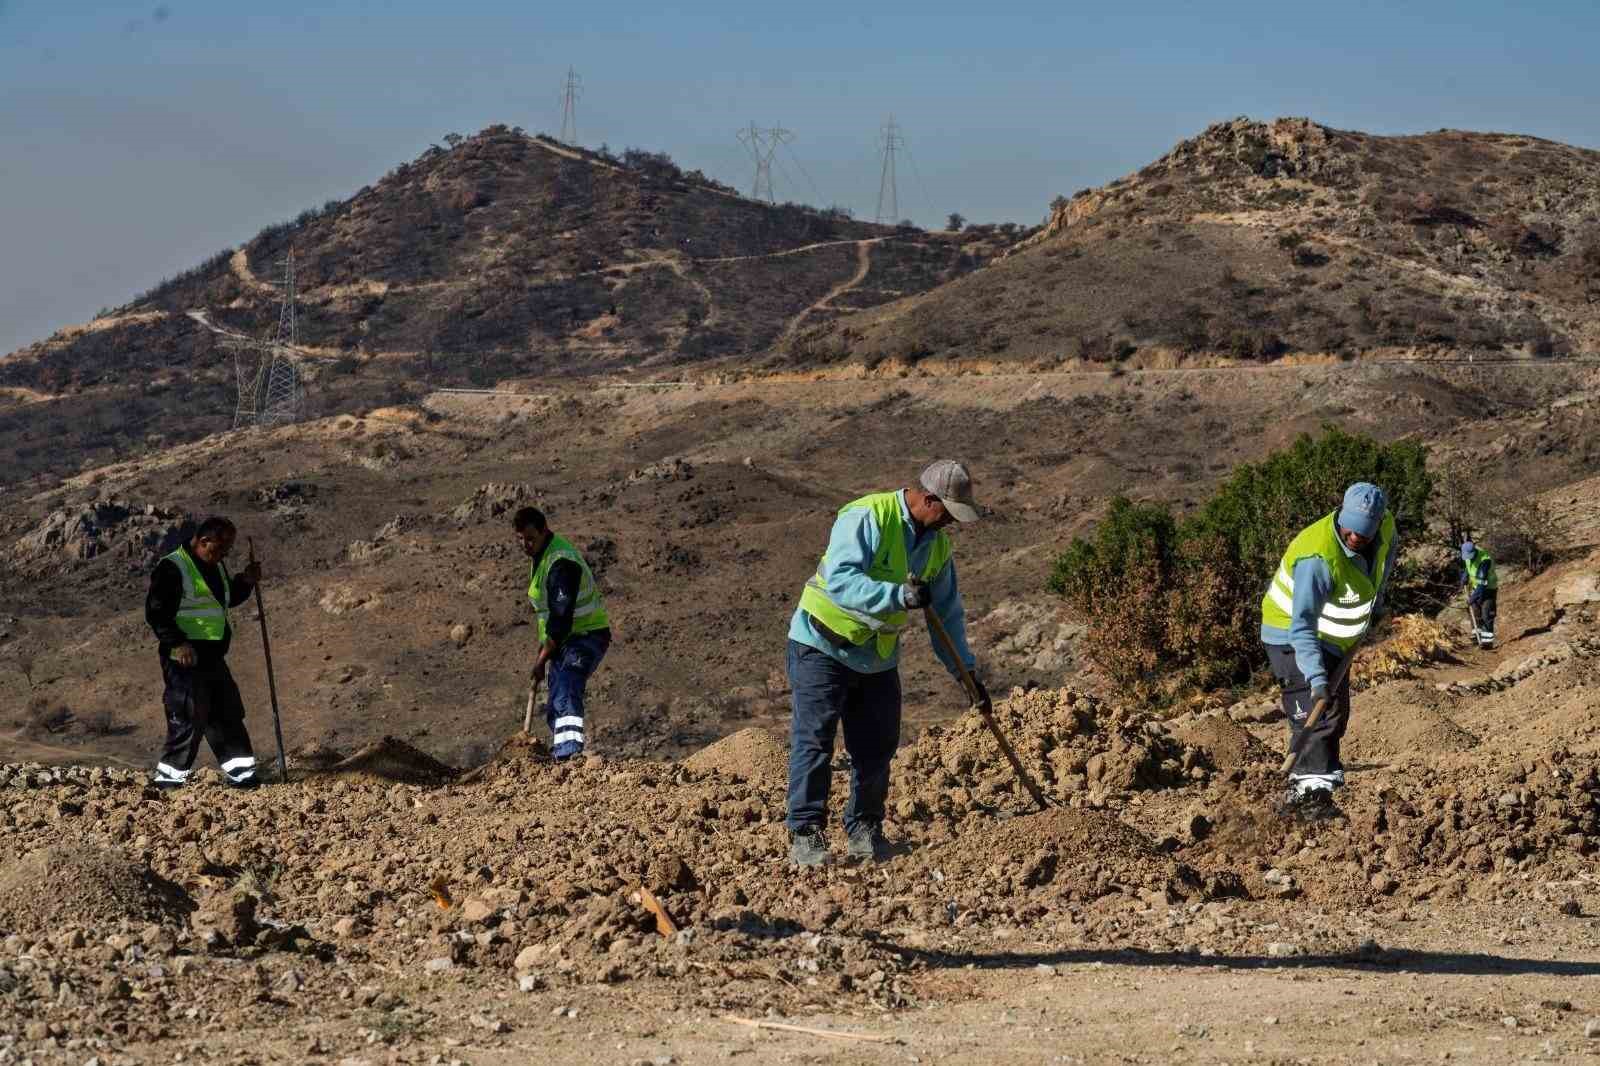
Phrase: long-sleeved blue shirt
pixel 851 548
pixel 1313 584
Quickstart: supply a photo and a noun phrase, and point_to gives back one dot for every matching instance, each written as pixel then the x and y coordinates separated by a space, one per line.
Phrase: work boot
pixel 567 749
pixel 808 847
pixel 1310 805
pixel 245 785
pixel 868 844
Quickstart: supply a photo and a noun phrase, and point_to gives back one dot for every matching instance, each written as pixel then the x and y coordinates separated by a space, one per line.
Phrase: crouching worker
pixel 1327 591
pixel 574 631
pixel 187 607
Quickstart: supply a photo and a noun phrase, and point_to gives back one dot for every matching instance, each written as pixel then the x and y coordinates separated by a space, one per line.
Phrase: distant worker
pixel 1483 591
pixel 1327 590
pixel 187 607
pixel 574 631
pixel 887 555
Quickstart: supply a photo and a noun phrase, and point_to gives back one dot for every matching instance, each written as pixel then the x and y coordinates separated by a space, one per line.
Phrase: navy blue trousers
pixel 569 671
pixel 826 693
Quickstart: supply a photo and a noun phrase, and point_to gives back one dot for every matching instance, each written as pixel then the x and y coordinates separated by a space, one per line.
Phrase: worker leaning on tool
pixel 1327 590
pixel 187 606
pixel 574 630
pixel 1482 580
pixel 888 554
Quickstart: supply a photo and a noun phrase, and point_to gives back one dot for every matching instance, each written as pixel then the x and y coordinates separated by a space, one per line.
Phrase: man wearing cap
pixel 1327 591
pixel 888 555
pixel 1483 591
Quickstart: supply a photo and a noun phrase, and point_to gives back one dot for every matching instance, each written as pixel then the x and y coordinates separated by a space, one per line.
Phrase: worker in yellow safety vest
pixel 888 554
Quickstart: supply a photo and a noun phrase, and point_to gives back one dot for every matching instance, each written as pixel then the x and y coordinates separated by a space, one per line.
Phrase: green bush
pixel 1175 604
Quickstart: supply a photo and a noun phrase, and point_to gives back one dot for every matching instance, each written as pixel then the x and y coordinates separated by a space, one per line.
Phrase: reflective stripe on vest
pixel 891 563
pixel 1481 561
pixel 588 613
pixel 201 615
pixel 1348 611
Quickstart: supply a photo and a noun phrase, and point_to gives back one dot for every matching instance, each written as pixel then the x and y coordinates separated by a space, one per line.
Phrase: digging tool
pixel 1477 630
pixel 1322 705
pixel 272 684
pixel 971 685
pixel 527 715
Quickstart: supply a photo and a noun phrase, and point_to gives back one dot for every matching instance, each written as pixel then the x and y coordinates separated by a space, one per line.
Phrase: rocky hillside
pixel 504 256
pixel 1259 239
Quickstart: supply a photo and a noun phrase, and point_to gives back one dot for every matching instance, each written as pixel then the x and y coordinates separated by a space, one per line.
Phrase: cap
pixel 1363 508
pixel 1467 548
pixel 949 480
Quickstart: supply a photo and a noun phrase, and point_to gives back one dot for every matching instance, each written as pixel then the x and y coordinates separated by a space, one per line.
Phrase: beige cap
pixel 949 480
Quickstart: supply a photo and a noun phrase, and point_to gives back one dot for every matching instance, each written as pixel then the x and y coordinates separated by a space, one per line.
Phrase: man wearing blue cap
pixel 1483 591
pixel 1327 591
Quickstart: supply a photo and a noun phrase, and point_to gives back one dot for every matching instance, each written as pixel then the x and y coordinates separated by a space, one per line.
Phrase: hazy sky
pixel 140 137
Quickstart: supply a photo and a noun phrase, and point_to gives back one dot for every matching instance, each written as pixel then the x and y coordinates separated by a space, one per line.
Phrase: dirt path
pixel 21 748
pixel 240 262
pixel 863 266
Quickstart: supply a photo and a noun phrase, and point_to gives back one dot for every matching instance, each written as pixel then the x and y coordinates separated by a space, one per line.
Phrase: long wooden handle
pixel 527 715
pixel 1321 705
pixel 272 684
pixel 970 683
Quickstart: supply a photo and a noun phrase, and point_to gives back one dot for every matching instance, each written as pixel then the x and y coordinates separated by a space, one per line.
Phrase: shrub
pixel 1176 604
pixel 43 717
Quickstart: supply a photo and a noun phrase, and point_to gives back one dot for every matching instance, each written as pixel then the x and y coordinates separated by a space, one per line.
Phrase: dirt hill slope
pixel 1256 239
pixel 505 256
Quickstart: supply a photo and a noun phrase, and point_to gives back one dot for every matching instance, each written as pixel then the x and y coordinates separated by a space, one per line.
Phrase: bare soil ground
pixel 421 893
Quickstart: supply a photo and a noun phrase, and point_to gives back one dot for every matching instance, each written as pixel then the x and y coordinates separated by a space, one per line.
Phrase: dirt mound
pixel 755 755
pixel 62 886
pixel 1226 743
pixel 392 759
pixel 1076 747
pixel 1385 733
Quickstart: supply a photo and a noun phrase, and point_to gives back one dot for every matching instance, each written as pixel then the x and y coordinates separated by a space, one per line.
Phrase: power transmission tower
pixel 268 375
pixel 571 89
pixel 888 185
pixel 763 145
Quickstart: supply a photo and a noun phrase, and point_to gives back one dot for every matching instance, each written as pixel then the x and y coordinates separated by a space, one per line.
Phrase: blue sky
pixel 141 137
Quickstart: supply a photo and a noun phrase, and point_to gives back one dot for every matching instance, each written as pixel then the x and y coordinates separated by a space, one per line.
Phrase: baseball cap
pixel 1467 548
pixel 1363 508
pixel 949 480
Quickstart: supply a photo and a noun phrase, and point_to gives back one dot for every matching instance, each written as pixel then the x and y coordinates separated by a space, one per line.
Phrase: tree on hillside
pixel 956 222
pixel 453 139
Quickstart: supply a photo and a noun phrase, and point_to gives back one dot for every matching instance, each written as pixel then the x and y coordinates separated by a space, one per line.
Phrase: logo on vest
pixel 1350 596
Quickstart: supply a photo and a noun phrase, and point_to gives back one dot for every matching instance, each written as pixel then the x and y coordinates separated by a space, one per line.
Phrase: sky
pixel 141 137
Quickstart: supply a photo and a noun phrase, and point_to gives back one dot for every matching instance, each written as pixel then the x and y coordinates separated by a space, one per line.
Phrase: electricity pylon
pixel 270 391
pixel 888 185
pixel 571 89
pixel 763 145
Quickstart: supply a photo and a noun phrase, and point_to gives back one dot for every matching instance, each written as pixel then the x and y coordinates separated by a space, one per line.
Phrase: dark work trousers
pixel 1318 762
pixel 569 671
pixel 1487 607
pixel 203 701
pixel 827 692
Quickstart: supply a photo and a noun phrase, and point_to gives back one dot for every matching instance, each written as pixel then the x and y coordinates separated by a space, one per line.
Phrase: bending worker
pixel 187 607
pixel 1327 590
pixel 574 631
pixel 888 555
pixel 1483 591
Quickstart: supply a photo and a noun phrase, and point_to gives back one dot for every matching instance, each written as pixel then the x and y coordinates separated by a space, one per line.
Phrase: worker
pixel 888 554
pixel 574 630
pixel 1327 591
pixel 1482 580
pixel 187 607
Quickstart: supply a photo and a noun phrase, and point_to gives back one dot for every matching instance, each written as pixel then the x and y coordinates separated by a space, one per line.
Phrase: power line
pixel 763 145
pixel 816 197
pixel 571 89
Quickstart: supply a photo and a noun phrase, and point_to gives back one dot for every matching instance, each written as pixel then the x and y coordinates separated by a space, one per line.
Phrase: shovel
pixel 971 686
pixel 527 715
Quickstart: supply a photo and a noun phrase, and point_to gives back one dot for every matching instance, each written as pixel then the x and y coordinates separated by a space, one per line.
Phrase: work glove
pixel 984 703
pixel 914 593
pixel 252 572
pixel 1319 694
pixel 536 675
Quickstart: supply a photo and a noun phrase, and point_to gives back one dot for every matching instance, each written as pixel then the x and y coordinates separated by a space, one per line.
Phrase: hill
pixel 504 256
pixel 1257 239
